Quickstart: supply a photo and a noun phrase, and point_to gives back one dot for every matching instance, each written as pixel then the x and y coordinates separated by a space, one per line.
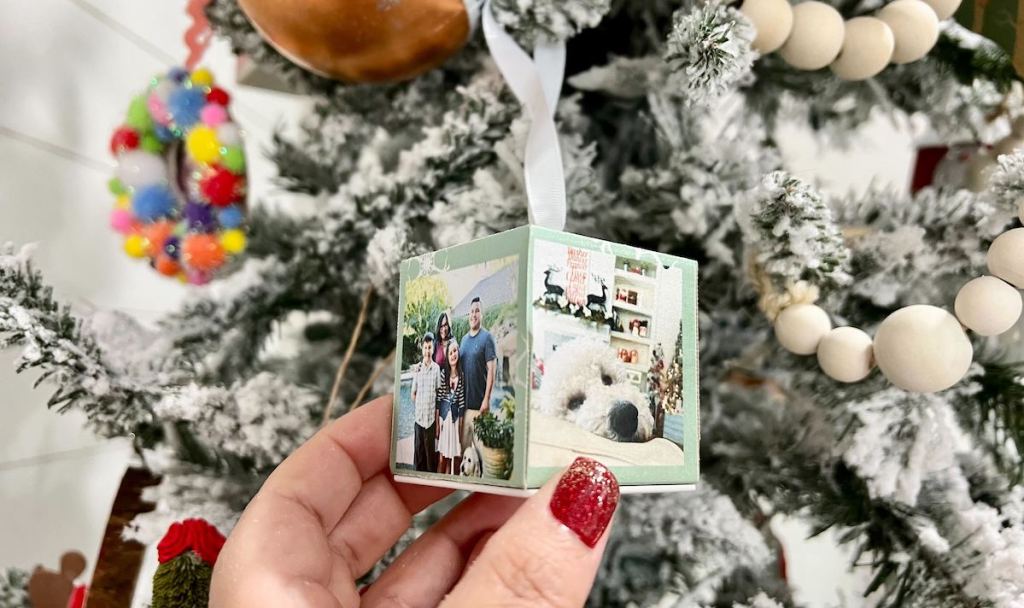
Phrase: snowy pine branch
pixel 54 341
pixel 14 588
pixel 260 421
pixel 791 235
pixel 709 48
pixel 529 20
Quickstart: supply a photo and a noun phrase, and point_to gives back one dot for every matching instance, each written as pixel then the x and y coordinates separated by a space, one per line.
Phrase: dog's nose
pixel 624 419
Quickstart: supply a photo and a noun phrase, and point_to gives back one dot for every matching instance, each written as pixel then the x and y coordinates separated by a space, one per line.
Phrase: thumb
pixel 547 554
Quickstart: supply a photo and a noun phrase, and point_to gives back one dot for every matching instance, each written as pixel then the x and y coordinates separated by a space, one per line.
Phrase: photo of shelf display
pixel 634 292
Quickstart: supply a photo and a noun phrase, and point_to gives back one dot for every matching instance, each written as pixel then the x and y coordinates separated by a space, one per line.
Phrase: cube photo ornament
pixel 520 351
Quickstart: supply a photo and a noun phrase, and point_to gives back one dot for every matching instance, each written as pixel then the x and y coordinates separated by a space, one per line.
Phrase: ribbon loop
pixel 536 83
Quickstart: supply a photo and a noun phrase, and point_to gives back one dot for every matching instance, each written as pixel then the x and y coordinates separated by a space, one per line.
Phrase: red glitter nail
pixel 585 499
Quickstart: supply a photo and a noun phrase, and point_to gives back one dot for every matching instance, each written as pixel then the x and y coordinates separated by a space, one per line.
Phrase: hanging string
pixel 198 35
pixel 154 51
pixel 125 32
pixel 56 150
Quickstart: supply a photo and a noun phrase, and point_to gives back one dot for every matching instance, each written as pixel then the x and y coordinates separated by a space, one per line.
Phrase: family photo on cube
pixel 457 405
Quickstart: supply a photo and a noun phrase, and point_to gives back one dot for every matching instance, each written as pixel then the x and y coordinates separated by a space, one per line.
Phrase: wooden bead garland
pixel 922 349
pixel 812 35
pixel 846 354
pixel 915 27
pixel 774 19
pixel 816 37
pixel 867 49
pixel 799 328
pixel 988 306
pixel 918 348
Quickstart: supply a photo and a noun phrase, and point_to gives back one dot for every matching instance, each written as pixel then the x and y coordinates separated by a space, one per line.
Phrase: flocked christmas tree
pixel 666 126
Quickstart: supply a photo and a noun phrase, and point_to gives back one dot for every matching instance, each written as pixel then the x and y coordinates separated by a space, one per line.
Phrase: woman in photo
pixel 451 403
pixel 443 331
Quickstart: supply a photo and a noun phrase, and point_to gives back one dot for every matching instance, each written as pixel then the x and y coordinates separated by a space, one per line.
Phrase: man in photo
pixel 426 379
pixel 478 354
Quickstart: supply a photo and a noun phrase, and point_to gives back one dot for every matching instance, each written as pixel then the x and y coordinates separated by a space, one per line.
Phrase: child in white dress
pixel 451 403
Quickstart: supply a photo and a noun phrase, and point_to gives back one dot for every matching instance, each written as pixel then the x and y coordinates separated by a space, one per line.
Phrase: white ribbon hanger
pixel 536 83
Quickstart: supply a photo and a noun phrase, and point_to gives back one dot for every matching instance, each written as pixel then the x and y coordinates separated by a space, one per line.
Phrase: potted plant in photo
pixel 497 436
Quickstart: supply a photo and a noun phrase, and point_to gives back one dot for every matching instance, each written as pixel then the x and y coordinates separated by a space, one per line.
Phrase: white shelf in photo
pixel 637 367
pixel 632 277
pixel 633 308
pixel 621 335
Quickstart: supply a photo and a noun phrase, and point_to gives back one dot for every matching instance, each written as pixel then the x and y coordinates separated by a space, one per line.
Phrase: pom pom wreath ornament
pixel 187 554
pixel 799 328
pixel 988 306
pixel 363 40
pixel 922 349
pixel 180 182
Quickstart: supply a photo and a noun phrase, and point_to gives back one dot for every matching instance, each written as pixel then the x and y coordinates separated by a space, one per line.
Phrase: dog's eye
pixel 606 379
pixel 576 401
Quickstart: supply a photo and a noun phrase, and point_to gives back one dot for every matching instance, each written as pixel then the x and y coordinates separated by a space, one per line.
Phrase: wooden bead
pixel 773 21
pixel 922 349
pixel 800 327
pixel 816 38
pixel 867 48
pixel 944 9
pixel 845 354
pixel 1006 257
pixel 988 306
pixel 915 27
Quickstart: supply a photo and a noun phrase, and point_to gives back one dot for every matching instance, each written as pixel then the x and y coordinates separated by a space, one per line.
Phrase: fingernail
pixel 585 499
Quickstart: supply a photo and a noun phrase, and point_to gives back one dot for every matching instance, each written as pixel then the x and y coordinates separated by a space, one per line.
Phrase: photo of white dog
pixel 585 383
pixel 471 463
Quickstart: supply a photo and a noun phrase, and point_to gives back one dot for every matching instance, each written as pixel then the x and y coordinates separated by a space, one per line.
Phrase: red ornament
pixel 123 139
pixel 167 266
pixel 218 96
pixel 195 534
pixel 220 187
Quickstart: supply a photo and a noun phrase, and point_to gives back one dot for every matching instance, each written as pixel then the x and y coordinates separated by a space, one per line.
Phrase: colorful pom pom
pixel 152 202
pixel 138 115
pixel 233 241
pixel 137 168
pixel 220 187
pixel 177 74
pixel 156 235
pixel 124 139
pixel 158 109
pixel 123 201
pixel 167 266
pixel 202 145
pixel 150 143
pixel 202 77
pixel 233 158
pixel 229 134
pixel 116 187
pixel 122 221
pixel 199 217
pixel 213 115
pixel 230 216
pixel 218 96
pixel 172 247
pixel 185 105
pixel 135 246
pixel 202 252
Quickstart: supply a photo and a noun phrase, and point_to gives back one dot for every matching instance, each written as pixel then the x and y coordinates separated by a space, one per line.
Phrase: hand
pixel 331 510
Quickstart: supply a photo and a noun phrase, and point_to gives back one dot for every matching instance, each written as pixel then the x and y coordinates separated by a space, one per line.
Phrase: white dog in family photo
pixel 584 383
pixel 471 462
